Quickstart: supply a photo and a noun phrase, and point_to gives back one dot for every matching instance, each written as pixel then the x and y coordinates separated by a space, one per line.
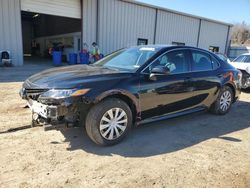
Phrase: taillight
pixel 229 74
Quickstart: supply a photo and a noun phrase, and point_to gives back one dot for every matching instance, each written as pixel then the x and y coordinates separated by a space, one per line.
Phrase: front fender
pixel 121 92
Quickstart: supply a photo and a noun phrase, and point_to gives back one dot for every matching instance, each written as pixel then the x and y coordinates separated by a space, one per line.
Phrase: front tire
pixel 109 121
pixel 224 101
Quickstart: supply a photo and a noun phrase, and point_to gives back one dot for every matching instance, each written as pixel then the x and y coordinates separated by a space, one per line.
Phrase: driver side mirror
pixel 158 70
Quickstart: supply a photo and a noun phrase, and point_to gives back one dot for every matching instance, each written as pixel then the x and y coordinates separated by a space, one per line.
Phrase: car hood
pixel 240 65
pixel 73 77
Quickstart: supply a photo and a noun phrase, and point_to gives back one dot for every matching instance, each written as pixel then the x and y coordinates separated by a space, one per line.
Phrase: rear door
pixel 206 79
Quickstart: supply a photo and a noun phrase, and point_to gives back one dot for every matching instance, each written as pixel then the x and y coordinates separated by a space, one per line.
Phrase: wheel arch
pixel 231 85
pixel 131 100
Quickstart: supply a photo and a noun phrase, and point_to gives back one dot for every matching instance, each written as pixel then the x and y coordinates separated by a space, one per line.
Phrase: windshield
pixel 243 59
pixel 128 59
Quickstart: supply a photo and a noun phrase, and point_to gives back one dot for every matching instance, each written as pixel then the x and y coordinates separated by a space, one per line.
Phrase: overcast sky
pixel 231 11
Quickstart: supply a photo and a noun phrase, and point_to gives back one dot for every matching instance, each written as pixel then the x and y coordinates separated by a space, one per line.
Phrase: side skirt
pixel 172 115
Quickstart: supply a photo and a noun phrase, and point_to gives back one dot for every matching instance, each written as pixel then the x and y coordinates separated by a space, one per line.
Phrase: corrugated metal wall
pixel 10 29
pixel 176 28
pixel 122 23
pixel 89 21
pixel 213 34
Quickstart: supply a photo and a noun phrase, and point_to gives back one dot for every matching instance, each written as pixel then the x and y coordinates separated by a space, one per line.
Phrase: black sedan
pixel 130 87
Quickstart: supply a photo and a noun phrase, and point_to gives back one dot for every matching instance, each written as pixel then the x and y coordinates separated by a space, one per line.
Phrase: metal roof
pixel 176 12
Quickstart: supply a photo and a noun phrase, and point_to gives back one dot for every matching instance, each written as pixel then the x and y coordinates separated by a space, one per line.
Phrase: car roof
pixel 153 46
pixel 169 46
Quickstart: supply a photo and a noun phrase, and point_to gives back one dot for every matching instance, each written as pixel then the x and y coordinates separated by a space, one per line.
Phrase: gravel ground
pixel 198 150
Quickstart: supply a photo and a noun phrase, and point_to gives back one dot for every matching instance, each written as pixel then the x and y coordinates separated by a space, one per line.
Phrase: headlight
pixel 248 70
pixel 63 93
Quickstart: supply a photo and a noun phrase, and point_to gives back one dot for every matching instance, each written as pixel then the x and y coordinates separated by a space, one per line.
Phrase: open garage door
pixel 65 8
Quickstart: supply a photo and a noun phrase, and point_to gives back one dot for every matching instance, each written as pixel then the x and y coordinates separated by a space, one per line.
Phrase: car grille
pixel 34 93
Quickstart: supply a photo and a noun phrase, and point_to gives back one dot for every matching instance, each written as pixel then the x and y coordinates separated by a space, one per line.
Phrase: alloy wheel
pixel 113 123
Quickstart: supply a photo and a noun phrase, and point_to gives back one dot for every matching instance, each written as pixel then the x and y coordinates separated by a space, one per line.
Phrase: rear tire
pixel 108 122
pixel 224 101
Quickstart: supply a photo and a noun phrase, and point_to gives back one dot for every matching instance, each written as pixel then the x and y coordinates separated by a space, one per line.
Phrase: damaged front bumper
pixel 68 111
pixel 44 114
pixel 47 111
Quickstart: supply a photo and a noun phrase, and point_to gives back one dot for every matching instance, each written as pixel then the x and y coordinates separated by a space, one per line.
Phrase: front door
pixel 167 93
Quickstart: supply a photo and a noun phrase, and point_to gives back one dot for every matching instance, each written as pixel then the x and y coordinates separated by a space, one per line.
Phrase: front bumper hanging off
pixel 54 115
pixel 53 111
pixel 47 111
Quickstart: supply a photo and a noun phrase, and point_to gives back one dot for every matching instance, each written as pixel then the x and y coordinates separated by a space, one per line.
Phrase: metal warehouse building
pixel 113 24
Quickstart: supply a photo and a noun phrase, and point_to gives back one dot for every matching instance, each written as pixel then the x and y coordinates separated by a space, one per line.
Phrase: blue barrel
pixel 84 58
pixel 101 56
pixel 72 58
pixel 57 58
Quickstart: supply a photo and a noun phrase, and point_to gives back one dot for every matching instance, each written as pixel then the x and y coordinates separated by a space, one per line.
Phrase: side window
pixel 142 41
pixel 178 43
pixel 214 48
pixel 215 63
pixel 201 61
pixel 175 61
